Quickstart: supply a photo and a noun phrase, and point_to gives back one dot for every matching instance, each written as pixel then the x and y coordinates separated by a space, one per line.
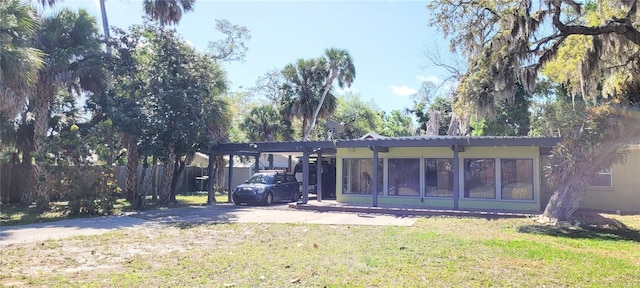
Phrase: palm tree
pixel 19 65
pixel 19 62
pixel 167 12
pixel 340 66
pixel 302 90
pixel 69 40
pixel 105 23
pixel 262 124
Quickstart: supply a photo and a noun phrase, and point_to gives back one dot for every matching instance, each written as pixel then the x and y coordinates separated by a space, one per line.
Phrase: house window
pixel 438 174
pixel 602 179
pixel 404 177
pixel 516 179
pixel 480 178
pixel 357 176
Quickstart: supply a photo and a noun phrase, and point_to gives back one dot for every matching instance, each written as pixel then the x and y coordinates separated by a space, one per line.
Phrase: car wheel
pixel 268 199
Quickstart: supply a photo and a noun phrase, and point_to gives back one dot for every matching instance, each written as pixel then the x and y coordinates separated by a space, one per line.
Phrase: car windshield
pixel 262 178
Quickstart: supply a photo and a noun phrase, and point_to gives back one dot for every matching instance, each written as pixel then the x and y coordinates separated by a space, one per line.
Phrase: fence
pixel 8 188
pixel 189 181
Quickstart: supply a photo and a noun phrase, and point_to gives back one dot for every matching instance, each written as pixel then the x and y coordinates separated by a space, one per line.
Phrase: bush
pixel 90 190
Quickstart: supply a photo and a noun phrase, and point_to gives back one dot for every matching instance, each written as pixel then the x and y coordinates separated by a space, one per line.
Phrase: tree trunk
pixel 566 198
pixel 140 197
pixel 181 164
pixel 568 194
pixel 133 155
pixel 167 175
pixel 314 117
pixel 105 22
pixel 26 182
pixel 305 122
pixel 433 125
pixel 219 167
pixel 154 179
pixel 211 173
pixel 42 99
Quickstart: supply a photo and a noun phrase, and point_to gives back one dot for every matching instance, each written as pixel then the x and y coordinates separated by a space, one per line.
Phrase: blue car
pixel 267 187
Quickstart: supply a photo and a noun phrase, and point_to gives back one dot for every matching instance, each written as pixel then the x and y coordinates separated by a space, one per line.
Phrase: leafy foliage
pixel 72 60
pixel 509 42
pixel 554 112
pixel 396 124
pixel 263 123
pixel 167 12
pixel 302 90
pixel 234 46
pixel 339 67
pixel 19 61
pixel 90 190
pixel 512 118
pixel 167 98
pixel 357 116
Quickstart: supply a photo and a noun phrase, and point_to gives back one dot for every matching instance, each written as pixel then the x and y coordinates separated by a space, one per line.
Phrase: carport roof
pixel 390 142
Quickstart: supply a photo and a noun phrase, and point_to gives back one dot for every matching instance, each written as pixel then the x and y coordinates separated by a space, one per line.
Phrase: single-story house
pixel 447 172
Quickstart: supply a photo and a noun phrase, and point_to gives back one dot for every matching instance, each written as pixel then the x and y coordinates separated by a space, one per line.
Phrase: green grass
pixel 199 198
pixel 435 252
pixel 11 214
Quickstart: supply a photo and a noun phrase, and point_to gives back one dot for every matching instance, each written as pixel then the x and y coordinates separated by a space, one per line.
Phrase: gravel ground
pixel 221 213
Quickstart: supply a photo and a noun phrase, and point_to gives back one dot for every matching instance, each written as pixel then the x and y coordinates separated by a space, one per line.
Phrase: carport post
pixel 374 185
pixel 319 177
pixel 229 184
pixel 305 175
pixel 374 192
pixel 456 174
pixel 210 179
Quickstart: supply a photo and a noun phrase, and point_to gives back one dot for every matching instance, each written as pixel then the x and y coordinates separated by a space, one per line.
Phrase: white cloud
pixel 429 78
pixel 403 90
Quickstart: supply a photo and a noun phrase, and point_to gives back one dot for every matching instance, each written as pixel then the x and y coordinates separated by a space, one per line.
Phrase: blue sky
pixel 387 39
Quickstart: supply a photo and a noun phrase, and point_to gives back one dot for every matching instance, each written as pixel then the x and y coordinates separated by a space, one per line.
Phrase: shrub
pixel 90 190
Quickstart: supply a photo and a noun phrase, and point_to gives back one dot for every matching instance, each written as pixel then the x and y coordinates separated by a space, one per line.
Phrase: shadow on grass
pixel 604 229
pixel 15 214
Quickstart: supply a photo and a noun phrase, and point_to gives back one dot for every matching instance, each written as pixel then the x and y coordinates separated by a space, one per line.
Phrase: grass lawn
pixel 435 252
pixel 18 215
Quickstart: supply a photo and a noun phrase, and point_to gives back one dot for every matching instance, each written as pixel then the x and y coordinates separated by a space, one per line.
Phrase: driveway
pixel 221 213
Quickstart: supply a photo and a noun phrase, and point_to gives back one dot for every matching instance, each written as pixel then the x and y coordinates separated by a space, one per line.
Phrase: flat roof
pixel 329 147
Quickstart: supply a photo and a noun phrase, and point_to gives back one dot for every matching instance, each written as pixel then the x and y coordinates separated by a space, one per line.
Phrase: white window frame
pixel 605 171
pixel 497 180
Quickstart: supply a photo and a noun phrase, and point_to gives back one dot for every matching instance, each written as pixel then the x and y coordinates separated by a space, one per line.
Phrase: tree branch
pixel 631 58
pixel 622 26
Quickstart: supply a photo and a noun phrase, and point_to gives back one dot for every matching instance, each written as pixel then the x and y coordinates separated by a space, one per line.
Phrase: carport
pixel 304 150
